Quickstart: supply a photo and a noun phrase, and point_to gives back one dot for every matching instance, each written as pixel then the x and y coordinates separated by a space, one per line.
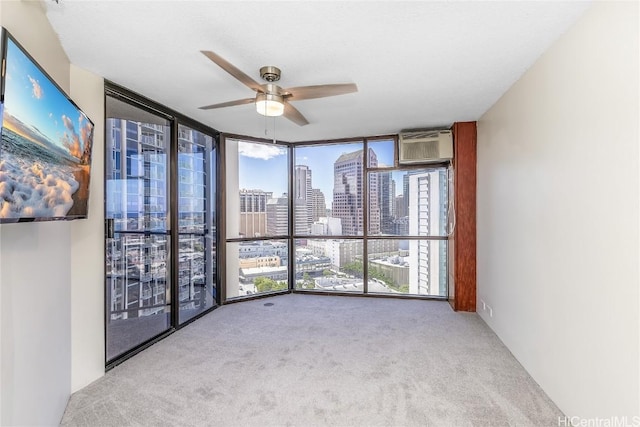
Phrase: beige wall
pixel 87 246
pixel 35 333
pixel 51 278
pixel 558 197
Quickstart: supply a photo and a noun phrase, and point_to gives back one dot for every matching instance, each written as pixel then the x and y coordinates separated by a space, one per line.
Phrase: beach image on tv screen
pixel 46 146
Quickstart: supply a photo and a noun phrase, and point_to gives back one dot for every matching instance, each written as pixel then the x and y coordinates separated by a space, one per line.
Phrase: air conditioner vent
pixel 423 150
pixel 432 146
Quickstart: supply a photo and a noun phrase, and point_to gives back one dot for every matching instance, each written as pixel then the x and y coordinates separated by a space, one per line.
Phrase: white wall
pixel 43 264
pixel 558 197
pixel 87 246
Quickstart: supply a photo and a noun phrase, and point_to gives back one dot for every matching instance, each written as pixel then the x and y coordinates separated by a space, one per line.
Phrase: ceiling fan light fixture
pixel 270 105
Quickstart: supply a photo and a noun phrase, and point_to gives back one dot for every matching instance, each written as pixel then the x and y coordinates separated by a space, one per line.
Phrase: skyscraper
pixel 400 208
pixel 348 190
pixel 304 191
pixel 318 204
pixel 253 212
pixel 426 217
pixel 278 216
pixel 387 200
pixel 405 192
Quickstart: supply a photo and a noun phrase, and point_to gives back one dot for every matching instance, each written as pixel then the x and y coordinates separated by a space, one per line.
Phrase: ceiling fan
pixel 271 99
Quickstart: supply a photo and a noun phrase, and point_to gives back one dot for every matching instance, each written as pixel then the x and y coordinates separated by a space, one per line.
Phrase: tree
pixel 265 284
pixel 354 268
pixel 375 273
pixel 327 273
pixel 307 282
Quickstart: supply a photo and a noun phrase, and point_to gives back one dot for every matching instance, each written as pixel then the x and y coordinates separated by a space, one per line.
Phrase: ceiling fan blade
pixel 229 104
pixel 291 113
pixel 319 91
pixel 231 69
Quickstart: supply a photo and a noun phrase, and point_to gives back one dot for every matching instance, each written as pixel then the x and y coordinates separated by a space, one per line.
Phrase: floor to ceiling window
pixel 339 216
pixel 160 240
pixel 398 213
pixel 329 214
pixel 257 218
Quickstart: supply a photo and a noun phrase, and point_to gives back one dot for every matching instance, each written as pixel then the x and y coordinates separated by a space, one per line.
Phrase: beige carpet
pixel 312 360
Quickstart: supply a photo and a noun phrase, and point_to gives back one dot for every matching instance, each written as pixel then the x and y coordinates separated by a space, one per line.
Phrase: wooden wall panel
pixel 463 295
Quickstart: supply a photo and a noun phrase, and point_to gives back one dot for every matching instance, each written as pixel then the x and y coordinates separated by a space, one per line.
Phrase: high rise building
pixel 138 201
pixel 318 204
pixel 191 179
pixel 191 217
pixel 304 191
pixel 348 190
pixel 400 208
pixel 426 217
pixel 253 212
pixel 278 216
pixel 387 200
pixel 405 193
pixel 400 226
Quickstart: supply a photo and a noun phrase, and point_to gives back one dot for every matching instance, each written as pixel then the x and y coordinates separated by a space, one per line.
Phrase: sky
pixel 34 100
pixel 258 159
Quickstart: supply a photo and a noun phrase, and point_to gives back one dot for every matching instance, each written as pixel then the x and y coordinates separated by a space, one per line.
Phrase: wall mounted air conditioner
pixel 429 146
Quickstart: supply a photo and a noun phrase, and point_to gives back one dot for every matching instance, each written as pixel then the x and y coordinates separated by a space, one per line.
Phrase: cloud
pixel 71 142
pixel 85 132
pixel 260 151
pixel 68 123
pixel 50 115
pixel 37 89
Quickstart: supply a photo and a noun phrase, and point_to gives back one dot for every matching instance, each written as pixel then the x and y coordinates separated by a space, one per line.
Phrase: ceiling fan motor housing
pixel 270 73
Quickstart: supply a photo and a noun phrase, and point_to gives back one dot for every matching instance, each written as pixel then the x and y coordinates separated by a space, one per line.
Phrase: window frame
pixel 292 236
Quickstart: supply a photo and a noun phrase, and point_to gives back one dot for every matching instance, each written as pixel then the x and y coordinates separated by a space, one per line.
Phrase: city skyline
pixel 255 158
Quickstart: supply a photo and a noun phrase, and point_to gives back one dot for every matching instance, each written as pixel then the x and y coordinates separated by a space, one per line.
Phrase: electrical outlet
pixel 484 306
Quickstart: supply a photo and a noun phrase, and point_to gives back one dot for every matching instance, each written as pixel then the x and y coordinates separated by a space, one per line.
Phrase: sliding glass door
pixel 160 223
pixel 195 243
pixel 138 240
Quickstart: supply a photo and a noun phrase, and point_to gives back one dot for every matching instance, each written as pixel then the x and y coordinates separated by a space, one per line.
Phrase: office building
pixel 387 201
pixel 304 191
pixel 348 190
pixel 318 204
pixel 253 212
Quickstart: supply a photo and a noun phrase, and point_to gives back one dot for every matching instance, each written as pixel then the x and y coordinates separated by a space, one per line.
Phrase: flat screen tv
pixel 45 155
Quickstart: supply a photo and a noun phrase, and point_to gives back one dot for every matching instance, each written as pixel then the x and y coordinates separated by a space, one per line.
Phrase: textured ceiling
pixel 416 64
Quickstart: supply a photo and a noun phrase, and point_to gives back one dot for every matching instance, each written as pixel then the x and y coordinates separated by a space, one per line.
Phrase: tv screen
pixel 45 155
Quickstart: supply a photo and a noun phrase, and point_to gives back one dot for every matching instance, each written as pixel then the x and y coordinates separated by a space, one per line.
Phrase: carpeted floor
pixel 313 360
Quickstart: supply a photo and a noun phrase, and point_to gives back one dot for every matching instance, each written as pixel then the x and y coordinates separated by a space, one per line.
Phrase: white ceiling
pixel 416 64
